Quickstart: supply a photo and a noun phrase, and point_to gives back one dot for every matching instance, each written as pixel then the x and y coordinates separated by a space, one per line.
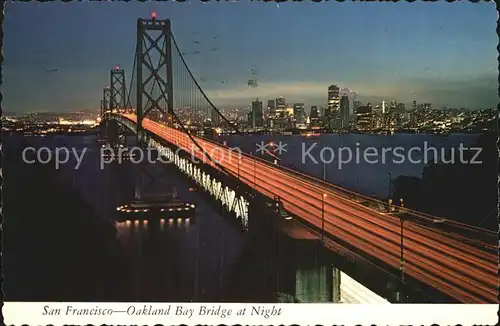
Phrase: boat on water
pixel 156 207
pixel 311 134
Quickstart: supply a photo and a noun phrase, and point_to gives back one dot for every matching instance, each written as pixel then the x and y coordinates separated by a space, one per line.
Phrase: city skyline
pixel 378 57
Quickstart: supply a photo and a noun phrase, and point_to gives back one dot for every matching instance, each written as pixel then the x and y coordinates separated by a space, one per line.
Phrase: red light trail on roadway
pixel 461 270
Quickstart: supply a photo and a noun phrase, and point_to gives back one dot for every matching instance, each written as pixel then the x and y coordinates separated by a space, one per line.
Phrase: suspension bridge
pixel 163 104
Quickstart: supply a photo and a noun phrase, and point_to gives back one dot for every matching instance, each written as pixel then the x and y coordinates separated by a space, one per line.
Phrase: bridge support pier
pixel 102 133
pixel 112 132
pixel 336 281
pixel 315 279
pixel 116 134
pixel 300 270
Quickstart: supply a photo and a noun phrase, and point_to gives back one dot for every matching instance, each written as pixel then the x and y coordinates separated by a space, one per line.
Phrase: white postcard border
pixel 33 313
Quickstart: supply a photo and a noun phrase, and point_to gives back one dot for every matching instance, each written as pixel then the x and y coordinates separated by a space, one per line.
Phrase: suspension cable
pixel 199 87
pixel 129 104
pixel 220 167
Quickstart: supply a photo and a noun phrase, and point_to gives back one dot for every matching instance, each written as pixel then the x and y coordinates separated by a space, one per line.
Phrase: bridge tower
pixel 117 90
pixel 105 101
pixel 104 115
pixel 103 109
pixel 150 32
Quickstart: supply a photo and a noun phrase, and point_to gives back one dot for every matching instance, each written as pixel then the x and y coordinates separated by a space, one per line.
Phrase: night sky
pixel 436 52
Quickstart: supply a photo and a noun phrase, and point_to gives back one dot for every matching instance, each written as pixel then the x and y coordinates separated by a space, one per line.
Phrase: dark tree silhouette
pixel 459 191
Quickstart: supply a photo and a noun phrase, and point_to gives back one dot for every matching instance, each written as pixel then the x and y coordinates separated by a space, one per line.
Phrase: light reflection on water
pixel 126 226
pixel 176 261
pixel 168 261
pixel 171 260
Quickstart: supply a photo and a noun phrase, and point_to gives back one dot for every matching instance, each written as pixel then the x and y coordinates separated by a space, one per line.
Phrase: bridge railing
pixel 470 234
pixel 455 229
pixel 428 277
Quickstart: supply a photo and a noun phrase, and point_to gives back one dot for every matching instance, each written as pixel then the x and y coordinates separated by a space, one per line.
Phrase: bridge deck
pixel 459 266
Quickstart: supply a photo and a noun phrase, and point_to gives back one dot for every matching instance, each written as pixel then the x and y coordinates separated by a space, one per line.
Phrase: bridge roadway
pixel 464 270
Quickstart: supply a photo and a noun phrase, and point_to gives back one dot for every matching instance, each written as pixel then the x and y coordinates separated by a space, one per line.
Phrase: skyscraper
pixel 332 113
pixel 333 97
pixel 364 118
pixel 270 113
pixel 394 104
pixel 384 107
pixel 344 111
pixel 281 113
pixel 399 114
pixel 250 118
pixel 271 105
pixel 257 120
pixel 378 116
pixel 327 114
pixel 299 113
pixel 280 103
pixel 314 116
pixel 356 105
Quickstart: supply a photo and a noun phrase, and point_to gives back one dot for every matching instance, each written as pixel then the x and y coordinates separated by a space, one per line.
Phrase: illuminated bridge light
pixel 136 222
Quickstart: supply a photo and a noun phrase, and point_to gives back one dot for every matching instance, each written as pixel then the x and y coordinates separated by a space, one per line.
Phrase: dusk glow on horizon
pixel 398 52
